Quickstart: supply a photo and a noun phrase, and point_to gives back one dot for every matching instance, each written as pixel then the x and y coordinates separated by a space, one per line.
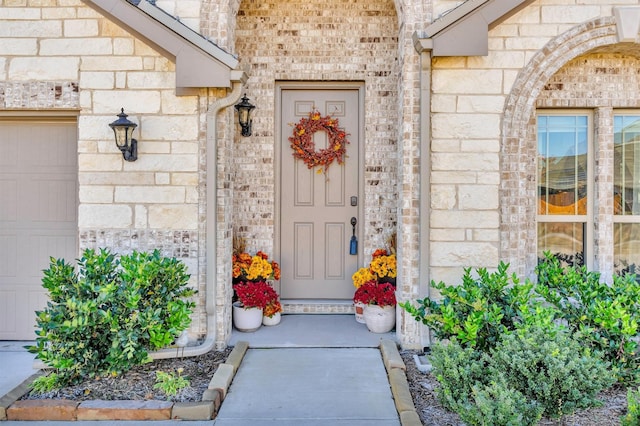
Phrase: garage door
pixel 38 214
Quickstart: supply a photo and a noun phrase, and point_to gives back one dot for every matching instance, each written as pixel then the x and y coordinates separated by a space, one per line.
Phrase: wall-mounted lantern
pixel 244 115
pixel 123 129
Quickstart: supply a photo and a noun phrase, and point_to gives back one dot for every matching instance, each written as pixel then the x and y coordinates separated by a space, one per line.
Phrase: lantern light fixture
pixel 244 109
pixel 123 130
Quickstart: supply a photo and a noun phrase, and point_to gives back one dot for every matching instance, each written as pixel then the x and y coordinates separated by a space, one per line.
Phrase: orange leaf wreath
pixel 305 149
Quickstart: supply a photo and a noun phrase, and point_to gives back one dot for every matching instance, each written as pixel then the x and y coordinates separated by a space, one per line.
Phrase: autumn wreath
pixel 305 149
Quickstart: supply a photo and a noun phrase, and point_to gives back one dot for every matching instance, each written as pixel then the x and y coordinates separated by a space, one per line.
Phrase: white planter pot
pixel 359 308
pixel 246 320
pixel 273 320
pixel 380 319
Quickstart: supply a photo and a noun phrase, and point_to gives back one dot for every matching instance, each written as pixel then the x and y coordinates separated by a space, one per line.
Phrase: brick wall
pixel 309 41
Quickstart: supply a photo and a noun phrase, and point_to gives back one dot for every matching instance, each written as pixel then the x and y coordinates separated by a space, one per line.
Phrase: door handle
pixel 353 245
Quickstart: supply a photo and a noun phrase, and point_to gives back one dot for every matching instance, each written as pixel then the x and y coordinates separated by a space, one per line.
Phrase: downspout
pixel 424 48
pixel 212 223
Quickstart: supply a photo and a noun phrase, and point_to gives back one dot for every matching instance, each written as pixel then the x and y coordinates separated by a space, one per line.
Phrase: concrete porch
pixel 313 331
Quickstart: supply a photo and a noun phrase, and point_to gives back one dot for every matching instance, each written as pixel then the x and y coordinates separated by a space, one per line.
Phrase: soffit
pixel 464 30
pixel 199 62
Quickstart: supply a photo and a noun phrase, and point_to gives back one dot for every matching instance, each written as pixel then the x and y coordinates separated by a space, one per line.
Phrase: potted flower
pixel 381 269
pixel 271 313
pixel 254 268
pixel 253 297
pixel 379 301
pixel 252 278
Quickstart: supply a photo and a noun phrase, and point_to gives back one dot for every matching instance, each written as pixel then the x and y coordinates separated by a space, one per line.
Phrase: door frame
pixel 317 85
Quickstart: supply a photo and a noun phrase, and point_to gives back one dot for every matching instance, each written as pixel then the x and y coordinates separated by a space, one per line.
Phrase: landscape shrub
pixel 632 418
pixel 478 311
pixel 606 315
pixel 458 369
pixel 549 365
pixel 497 404
pixel 479 394
pixel 104 318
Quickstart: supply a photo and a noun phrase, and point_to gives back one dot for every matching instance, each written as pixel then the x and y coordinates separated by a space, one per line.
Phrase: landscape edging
pixel 396 372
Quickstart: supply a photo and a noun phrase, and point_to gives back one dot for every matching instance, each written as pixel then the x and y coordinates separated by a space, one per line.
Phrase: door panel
pixel 315 209
pixel 38 219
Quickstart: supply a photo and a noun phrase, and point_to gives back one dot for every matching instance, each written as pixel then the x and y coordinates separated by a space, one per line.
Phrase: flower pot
pixel 246 319
pixel 380 319
pixel 272 320
pixel 359 308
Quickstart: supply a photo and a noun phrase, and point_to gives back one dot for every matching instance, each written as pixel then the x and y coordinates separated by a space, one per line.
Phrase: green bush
pixel 170 383
pixel 497 404
pixel 550 366
pixel 104 318
pixel 458 369
pixel 633 409
pixel 479 394
pixel 607 315
pixel 478 311
pixel 534 370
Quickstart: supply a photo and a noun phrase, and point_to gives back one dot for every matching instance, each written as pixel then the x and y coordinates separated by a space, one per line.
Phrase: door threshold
pixel 317 306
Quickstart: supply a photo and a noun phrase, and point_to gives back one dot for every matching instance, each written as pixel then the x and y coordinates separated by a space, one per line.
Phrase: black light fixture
pixel 244 115
pixel 123 129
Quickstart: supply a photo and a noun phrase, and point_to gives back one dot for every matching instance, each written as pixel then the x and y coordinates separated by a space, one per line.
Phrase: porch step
pixel 315 306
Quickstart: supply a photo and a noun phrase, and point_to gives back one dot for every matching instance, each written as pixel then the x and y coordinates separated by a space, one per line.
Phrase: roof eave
pixel 464 31
pixel 199 63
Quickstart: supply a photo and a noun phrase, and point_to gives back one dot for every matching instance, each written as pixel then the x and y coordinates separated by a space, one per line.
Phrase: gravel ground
pixel 138 383
pixel 433 414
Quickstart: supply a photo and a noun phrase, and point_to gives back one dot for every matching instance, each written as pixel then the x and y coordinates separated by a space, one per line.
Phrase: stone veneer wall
pixel 483 172
pixel 61 54
pixel 584 67
pixel 599 82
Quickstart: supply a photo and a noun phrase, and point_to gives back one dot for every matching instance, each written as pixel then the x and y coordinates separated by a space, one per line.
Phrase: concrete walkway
pixel 303 386
pixel 16 365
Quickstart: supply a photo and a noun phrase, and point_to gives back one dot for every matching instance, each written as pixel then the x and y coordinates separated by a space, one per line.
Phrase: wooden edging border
pixel 66 410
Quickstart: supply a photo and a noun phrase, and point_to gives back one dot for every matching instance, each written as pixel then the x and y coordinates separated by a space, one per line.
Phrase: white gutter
pixel 212 223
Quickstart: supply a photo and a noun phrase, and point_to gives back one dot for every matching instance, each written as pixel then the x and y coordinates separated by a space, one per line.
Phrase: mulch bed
pixel 137 384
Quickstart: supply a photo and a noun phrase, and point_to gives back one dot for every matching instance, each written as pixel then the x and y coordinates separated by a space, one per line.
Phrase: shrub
pixel 534 370
pixel 170 383
pixel 606 315
pixel 458 369
pixel 550 366
pixel 497 404
pixel 633 409
pixel 478 311
pixel 480 395
pixel 104 318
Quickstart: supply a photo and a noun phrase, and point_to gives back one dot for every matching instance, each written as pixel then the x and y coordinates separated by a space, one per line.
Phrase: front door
pixel 316 209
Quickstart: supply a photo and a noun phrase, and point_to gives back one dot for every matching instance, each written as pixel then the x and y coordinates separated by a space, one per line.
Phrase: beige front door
pixel 38 214
pixel 316 208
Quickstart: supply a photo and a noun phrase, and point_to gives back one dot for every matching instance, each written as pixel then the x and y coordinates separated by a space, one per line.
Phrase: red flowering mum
pixel 373 293
pixel 256 294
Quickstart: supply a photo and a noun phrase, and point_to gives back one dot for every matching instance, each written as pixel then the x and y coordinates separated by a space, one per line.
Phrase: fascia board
pixel 199 63
pixel 464 31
